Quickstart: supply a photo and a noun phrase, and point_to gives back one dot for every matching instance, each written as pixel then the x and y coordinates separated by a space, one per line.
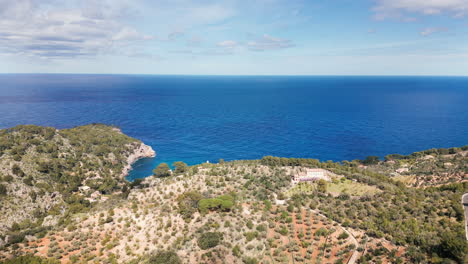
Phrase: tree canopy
pixel 162 170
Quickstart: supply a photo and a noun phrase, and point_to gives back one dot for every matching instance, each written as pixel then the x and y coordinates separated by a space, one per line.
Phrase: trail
pixel 355 255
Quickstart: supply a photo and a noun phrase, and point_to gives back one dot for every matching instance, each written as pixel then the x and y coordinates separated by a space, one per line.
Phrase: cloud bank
pixel 40 29
pixel 401 8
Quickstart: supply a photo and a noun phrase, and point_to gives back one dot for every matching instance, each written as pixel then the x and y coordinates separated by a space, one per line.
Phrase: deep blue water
pixel 200 118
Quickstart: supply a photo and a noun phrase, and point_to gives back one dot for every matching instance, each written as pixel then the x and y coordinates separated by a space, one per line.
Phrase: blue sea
pixel 205 118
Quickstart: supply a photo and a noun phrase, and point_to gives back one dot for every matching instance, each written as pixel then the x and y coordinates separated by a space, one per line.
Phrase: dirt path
pixel 355 255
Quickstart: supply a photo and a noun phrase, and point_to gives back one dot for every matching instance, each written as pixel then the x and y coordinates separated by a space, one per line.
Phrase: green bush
pixel 3 190
pixel 180 167
pixel 249 260
pixel 209 240
pixel 321 232
pixel 165 257
pixel 371 160
pixel 188 203
pixel 343 235
pixel 17 170
pixel 30 260
pixel 162 170
pixel 236 251
pixel 221 203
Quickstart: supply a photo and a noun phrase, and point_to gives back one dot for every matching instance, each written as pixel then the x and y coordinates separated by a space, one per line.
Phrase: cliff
pixel 140 152
pixel 50 172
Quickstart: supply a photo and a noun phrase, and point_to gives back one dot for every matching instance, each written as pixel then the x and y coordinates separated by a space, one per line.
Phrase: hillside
pixel 47 174
pixel 432 167
pixel 238 212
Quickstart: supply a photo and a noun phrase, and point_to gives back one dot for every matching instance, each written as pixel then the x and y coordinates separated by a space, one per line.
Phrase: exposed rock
pixel 401 170
pixel 89 156
pixel 428 157
pixel 141 151
pixel 95 195
pixel 30 238
pixel 50 220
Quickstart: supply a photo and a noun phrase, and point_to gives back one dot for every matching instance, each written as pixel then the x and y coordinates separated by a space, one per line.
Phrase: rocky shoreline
pixel 140 152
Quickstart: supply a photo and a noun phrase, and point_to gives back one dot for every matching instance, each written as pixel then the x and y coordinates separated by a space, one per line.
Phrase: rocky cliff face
pixel 45 171
pixel 141 151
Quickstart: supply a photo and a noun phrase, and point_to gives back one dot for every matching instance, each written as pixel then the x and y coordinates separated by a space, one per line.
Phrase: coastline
pixel 140 152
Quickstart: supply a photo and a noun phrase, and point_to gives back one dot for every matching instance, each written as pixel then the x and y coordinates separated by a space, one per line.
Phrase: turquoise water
pixel 200 118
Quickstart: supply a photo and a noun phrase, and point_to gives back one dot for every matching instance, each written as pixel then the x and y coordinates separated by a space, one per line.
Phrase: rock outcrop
pixel 140 152
pixel 45 171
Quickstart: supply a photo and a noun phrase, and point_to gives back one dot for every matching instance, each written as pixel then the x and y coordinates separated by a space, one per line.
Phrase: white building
pixel 311 175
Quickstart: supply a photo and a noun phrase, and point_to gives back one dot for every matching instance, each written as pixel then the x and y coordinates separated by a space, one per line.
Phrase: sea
pixel 199 119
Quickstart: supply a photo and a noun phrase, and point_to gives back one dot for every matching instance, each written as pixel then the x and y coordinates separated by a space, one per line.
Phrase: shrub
pixel 30 260
pixel 3 190
pixel 209 240
pixel 236 251
pixel 188 203
pixel 17 170
pixel 343 235
pixel 321 232
pixel 165 257
pixel 180 167
pixel 162 170
pixel 371 160
pixel 249 260
pixel 222 203
pixel 249 236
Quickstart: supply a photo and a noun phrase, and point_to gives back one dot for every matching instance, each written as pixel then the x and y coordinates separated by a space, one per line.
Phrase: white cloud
pixel 397 8
pixel 189 14
pixel 267 42
pixel 41 29
pixel 209 14
pixel 227 44
pixel 432 30
pixel 130 34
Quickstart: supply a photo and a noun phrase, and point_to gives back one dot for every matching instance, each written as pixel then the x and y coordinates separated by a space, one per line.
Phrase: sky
pixel 235 37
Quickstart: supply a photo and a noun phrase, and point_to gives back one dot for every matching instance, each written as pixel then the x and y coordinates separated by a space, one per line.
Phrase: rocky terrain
pixel 45 172
pixel 433 167
pixel 228 212
pixel 151 219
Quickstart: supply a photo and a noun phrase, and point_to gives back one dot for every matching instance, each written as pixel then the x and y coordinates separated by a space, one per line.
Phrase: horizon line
pixel 235 75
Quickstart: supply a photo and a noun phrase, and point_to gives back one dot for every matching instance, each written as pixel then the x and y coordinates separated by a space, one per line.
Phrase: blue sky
pixel 229 37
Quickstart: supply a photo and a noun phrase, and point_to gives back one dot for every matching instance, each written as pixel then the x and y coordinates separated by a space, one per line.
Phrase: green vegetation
pixel 165 257
pixel 89 150
pixel 221 203
pixel 428 218
pixel 188 204
pixel 427 168
pixel 180 167
pixel 50 165
pixel 210 240
pixel 350 187
pixel 322 186
pixel 30 260
pixel 162 170
pixel 276 161
pixel 3 190
pixel 436 152
pixel 245 223
pixel 371 160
